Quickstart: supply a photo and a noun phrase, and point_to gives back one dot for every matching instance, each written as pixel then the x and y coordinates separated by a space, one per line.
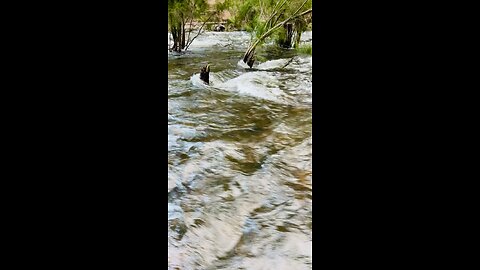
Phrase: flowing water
pixel 239 157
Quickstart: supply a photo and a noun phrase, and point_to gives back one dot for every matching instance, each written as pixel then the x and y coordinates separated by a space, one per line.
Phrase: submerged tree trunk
pixel 175 38
pixel 249 57
pixel 183 33
pixel 205 74
pixel 178 35
pixel 287 43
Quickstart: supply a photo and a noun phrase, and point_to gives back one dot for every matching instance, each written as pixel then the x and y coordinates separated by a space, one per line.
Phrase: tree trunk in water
pixel 249 57
pixel 178 35
pixel 205 74
pixel 183 36
pixel 287 43
pixel 175 38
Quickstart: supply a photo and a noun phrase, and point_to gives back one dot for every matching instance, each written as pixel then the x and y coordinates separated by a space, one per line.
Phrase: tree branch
pixel 250 50
pixel 199 30
pixel 275 11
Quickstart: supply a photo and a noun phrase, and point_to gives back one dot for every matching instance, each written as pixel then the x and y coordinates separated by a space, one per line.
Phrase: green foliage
pixel 258 16
pixel 305 49
pixel 221 6
pixel 180 11
pixel 254 16
pixel 245 15
pixel 181 14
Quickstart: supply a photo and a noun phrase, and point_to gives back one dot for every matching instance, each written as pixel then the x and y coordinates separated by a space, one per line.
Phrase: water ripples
pixel 239 158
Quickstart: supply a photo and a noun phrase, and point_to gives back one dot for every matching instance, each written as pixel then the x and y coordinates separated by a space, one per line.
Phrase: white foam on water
pixel 303 64
pixel 236 39
pixel 306 36
pixel 258 84
pixel 214 80
pixel 262 83
pixel 242 64
pixel 196 81
pixel 272 64
pixel 182 132
pixel 268 65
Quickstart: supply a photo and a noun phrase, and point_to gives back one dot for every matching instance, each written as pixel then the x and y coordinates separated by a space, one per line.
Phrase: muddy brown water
pixel 239 157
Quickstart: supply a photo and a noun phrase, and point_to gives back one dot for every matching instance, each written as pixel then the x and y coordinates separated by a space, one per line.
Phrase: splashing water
pixel 239 158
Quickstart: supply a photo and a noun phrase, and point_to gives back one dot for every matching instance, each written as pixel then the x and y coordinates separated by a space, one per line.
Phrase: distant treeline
pixel 281 20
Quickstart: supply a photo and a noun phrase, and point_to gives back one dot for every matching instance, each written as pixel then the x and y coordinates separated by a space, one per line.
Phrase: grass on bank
pixel 305 48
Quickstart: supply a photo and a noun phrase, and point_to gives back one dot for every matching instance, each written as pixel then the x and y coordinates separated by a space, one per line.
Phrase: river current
pixel 239 157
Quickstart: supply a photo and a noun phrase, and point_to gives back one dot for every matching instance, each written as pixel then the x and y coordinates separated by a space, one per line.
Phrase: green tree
pixel 283 19
pixel 185 15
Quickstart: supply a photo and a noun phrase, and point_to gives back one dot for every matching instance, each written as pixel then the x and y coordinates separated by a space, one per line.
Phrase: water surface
pixel 239 157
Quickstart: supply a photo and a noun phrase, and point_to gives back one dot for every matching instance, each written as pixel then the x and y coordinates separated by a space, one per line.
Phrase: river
pixel 239 157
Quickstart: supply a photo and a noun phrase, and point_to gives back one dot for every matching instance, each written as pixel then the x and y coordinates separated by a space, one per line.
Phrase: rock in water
pixel 204 74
